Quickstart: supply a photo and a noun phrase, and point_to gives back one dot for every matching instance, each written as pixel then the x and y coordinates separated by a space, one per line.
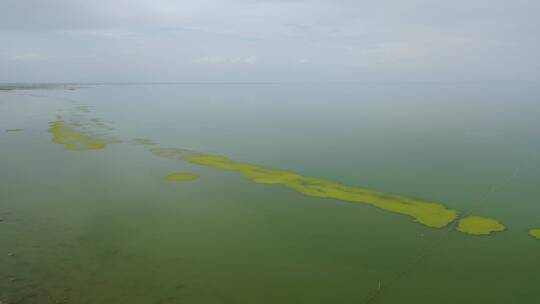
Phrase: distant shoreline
pixel 38 86
pixel 4 87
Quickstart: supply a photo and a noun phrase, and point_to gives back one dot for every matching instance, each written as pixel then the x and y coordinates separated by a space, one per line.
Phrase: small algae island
pixel 181 177
pixel 477 225
pixel 427 213
pixel 535 233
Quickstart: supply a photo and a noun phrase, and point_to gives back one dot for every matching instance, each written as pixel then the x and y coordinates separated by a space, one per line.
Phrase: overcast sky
pixel 280 40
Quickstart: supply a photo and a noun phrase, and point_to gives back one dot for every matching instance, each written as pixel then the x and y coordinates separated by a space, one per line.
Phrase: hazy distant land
pixel 38 86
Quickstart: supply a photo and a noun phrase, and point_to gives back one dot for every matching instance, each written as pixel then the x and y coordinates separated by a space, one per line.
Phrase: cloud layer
pixel 242 40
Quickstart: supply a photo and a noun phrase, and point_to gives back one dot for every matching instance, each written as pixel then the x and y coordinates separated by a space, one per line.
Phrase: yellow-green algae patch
pixel 14 130
pixel 535 233
pixel 477 225
pixel 71 139
pixel 427 213
pixel 181 177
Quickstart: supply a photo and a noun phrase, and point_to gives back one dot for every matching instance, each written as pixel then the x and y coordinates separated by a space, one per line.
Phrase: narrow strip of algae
pixel 15 130
pixel 181 177
pixel 477 225
pixel 535 233
pixel 71 139
pixel 424 212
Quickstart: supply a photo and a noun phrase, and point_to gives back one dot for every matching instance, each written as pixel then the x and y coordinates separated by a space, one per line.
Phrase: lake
pixel 270 193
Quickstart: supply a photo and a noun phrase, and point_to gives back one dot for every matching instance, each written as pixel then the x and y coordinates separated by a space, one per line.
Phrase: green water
pixel 103 225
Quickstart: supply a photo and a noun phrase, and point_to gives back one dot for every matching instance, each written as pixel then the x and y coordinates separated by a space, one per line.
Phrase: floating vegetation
pixel 477 225
pixel 81 133
pixel 14 130
pixel 181 177
pixel 428 213
pixel 535 233
pixel 71 139
pixel 424 212
pixel 142 141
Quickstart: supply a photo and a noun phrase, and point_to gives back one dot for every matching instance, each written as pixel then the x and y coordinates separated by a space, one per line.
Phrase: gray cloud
pixel 211 40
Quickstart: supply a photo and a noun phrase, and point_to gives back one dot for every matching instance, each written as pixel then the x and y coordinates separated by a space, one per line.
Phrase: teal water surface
pixel 104 225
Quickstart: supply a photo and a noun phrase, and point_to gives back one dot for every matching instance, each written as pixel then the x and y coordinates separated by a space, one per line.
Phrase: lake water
pixel 87 215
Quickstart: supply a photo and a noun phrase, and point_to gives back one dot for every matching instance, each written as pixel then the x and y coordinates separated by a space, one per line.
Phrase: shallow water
pixel 88 215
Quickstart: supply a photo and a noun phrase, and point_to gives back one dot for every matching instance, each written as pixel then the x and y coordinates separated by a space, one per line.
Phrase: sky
pixel 278 40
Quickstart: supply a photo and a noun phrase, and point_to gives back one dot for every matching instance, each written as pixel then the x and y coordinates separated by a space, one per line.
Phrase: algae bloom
pixel 181 177
pixel 15 130
pixel 535 233
pixel 424 212
pixel 477 225
pixel 71 139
